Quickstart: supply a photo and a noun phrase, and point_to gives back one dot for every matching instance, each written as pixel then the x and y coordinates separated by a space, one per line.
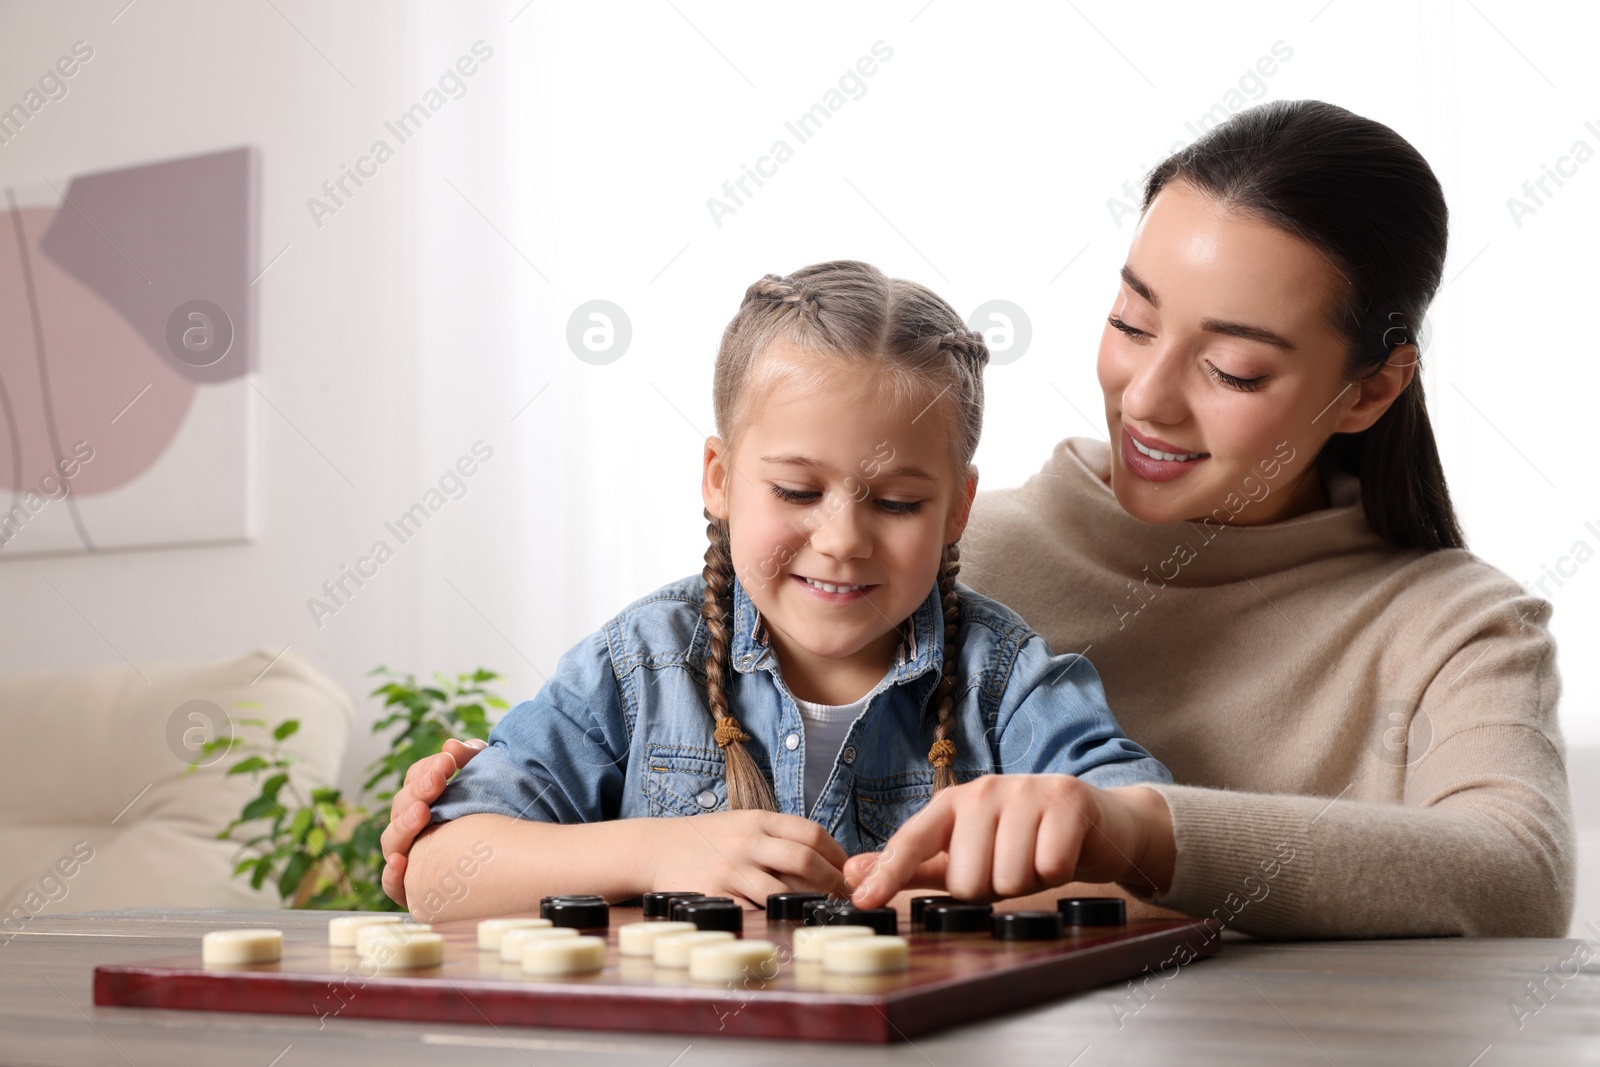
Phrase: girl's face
pixel 832 484
pixel 1222 375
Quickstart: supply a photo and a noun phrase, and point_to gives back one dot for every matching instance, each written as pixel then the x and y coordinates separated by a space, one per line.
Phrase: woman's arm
pixel 1006 836
pixel 1481 845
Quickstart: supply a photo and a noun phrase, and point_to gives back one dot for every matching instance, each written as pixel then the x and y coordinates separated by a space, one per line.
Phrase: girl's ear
pixel 962 509
pixel 714 478
pixel 1379 391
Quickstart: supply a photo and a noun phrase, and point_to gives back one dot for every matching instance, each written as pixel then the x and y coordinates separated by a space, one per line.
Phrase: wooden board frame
pixel 953 979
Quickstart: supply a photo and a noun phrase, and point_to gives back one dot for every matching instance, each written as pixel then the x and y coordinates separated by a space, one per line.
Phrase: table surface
pixel 1447 1001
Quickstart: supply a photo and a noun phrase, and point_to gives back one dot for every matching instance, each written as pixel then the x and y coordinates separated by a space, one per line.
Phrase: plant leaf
pixel 289 880
pixel 259 808
pixel 262 870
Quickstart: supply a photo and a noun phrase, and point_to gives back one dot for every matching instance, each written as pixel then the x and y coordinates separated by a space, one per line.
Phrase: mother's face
pixel 1223 376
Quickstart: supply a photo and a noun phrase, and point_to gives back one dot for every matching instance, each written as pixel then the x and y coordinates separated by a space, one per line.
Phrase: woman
pixel 1267 571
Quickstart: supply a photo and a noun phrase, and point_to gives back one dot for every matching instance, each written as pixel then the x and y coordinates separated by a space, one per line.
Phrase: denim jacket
pixel 623 728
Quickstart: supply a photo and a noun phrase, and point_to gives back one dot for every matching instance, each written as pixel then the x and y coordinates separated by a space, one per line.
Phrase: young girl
pixel 823 677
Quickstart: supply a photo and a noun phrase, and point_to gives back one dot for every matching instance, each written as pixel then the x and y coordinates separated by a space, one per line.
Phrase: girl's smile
pixel 839 502
pixel 834 592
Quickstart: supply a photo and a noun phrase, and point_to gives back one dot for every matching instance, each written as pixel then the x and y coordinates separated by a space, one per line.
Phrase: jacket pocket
pixel 883 805
pixel 684 780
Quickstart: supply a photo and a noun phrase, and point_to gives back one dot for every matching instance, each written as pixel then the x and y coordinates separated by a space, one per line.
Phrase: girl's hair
pixel 914 344
pixel 1366 199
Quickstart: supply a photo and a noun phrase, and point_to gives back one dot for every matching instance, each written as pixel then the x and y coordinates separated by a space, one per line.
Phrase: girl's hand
pixel 742 854
pixel 1009 835
pixel 408 811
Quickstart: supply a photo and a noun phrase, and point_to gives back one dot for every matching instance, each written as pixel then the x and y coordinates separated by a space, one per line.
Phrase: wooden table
pixel 1445 1001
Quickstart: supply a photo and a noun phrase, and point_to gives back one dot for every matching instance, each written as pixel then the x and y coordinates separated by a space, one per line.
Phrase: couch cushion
pixel 101 816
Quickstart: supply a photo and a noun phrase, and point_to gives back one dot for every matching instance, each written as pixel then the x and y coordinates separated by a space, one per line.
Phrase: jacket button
pixel 707 799
pixel 791 742
pixel 848 755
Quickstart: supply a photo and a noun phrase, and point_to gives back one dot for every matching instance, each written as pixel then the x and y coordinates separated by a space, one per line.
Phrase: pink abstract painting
pixel 127 344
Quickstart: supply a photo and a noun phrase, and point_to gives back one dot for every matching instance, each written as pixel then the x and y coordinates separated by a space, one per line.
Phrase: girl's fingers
pixel 753 885
pixel 731 855
pixel 799 865
pixel 807 833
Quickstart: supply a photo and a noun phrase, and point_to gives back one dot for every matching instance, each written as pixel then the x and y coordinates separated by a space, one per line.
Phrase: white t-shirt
pixel 825 727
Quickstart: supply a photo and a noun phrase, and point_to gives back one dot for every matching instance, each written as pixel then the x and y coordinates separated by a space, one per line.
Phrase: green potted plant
pixel 321 849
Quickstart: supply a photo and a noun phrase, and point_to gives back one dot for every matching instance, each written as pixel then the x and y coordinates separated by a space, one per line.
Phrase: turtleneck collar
pixel 1079 503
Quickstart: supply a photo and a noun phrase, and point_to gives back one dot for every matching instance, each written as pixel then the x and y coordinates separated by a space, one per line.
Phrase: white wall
pixel 389 346
pixel 426 313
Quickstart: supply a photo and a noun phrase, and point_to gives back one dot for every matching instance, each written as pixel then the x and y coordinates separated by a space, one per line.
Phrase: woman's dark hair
pixel 1366 199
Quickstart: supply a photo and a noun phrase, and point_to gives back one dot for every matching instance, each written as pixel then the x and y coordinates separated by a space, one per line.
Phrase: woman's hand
pixel 408 811
pixel 1009 835
pixel 742 854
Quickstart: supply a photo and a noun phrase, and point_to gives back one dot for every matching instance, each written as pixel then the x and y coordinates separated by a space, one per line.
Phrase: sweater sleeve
pixel 1481 844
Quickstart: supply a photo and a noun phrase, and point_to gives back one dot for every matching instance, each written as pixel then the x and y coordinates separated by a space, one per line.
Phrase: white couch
pixel 95 811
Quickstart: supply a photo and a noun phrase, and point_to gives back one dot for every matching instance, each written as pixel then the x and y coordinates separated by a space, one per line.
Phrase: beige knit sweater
pixel 1364 740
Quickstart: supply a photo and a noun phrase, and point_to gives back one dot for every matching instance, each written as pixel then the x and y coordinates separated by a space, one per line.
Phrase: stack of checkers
pixel 705 935
pixel 385 941
pixel 578 911
pixel 388 942
pixel 824 927
pixel 552 945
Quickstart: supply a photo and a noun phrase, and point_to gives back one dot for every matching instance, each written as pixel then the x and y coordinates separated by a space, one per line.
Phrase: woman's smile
pixel 1155 460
